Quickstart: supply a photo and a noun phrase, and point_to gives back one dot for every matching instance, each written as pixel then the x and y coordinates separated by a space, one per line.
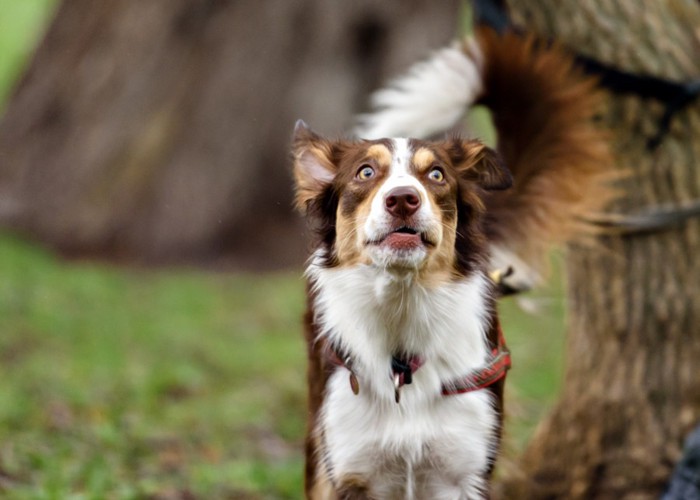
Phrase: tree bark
pixel 159 130
pixel 631 391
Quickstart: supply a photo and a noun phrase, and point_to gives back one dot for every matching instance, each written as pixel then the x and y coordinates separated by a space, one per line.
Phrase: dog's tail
pixel 543 109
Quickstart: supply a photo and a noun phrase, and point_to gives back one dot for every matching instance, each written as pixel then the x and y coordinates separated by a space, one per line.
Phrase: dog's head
pixel 399 204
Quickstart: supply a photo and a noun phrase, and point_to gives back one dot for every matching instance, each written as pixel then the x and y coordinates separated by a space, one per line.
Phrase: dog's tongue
pixel 403 241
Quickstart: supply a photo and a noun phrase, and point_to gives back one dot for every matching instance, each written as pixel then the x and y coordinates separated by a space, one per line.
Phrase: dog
pixel 407 360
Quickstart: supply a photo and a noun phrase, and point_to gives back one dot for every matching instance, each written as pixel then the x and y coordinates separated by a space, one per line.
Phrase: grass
pixel 133 384
pixel 147 384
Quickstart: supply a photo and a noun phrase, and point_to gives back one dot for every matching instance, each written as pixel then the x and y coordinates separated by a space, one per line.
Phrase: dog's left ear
pixel 314 169
pixel 479 163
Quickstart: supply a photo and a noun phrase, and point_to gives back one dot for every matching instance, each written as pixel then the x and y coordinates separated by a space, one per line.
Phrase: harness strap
pixel 494 371
pixel 404 368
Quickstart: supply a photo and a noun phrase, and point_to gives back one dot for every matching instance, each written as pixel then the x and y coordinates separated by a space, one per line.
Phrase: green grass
pixel 127 384
pixel 135 384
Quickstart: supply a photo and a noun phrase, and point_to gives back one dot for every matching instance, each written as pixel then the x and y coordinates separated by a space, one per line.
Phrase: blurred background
pixel 150 262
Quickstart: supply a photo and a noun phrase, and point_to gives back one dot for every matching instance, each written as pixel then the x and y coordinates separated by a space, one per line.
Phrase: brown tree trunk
pixel 632 386
pixel 160 129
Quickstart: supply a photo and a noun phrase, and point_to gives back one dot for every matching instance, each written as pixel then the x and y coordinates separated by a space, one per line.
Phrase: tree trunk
pixel 632 386
pixel 160 129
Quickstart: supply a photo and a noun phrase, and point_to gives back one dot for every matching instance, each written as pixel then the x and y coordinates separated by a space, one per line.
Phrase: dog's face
pixel 399 204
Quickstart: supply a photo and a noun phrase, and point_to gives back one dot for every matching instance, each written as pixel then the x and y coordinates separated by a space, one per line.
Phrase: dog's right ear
pixel 314 169
pixel 479 164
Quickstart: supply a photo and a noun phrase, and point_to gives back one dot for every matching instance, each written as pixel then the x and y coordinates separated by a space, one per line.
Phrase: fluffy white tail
pixel 430 98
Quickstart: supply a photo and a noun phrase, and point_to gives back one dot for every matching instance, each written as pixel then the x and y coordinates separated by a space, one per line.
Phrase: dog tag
pixel 397 388
pixel 354 384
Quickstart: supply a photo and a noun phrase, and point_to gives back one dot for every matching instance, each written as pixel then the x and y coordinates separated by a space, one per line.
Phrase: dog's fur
pixel 407 231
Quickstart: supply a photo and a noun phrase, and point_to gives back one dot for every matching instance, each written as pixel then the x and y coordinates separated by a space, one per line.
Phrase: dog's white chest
pixel 420 448
pixel 428 445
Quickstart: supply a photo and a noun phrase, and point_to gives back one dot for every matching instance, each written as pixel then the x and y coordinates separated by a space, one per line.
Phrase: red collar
pixel 403 368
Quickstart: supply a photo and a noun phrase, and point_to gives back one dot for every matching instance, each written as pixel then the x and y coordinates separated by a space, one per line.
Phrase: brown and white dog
pixel 406 358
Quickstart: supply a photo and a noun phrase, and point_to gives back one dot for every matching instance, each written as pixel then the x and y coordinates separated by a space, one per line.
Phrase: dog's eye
pixel 365 172
pixel 436 175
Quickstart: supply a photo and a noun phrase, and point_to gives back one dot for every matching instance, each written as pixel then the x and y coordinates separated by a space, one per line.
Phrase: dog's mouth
pixel 405 230
pixel 404 238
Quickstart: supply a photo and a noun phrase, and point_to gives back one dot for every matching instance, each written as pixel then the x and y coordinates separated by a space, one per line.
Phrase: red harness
pixel 403 369
pixel 495 370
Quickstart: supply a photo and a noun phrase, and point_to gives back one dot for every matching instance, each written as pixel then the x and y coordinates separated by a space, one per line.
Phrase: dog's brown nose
pixel 402 201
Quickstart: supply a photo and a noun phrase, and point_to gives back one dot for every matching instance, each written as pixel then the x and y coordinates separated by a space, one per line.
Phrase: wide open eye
pixel 436 175
pixel 365 173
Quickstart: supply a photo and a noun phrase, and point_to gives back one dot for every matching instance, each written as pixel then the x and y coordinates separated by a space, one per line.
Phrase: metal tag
pixel 354 384
pixel 397 387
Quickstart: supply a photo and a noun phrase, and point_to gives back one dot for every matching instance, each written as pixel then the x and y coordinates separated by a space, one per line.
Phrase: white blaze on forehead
pixel 400 174
pixel 401 159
